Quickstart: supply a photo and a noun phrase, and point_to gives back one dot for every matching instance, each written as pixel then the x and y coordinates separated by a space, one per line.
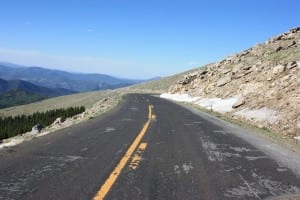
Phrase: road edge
pixel 281 154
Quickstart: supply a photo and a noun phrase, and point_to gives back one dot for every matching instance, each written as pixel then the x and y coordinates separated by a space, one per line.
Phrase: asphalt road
pixel 178 155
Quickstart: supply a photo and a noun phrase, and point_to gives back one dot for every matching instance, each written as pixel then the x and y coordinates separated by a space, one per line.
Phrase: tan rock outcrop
pixel 267 75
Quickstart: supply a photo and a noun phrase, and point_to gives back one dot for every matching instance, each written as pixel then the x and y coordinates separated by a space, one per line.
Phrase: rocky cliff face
pixel 265 77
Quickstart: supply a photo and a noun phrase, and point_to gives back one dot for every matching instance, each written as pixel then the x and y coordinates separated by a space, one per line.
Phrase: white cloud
pixel 84 64
pixel 90 30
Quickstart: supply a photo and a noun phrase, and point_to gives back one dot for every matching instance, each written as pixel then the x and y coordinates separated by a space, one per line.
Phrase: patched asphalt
pixel 186 157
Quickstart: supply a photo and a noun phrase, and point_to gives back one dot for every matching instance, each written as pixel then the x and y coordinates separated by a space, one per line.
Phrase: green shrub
pixel 12 126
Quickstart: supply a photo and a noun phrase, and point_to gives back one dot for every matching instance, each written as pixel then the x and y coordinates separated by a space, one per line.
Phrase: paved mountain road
pixel 147 148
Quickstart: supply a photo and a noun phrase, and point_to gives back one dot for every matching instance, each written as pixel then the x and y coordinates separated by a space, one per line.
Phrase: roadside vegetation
pixel 12 126
pixel 87 99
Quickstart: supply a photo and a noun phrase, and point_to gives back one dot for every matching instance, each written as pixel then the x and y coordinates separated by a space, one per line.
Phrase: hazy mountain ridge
pixel 9 85
pixel 18 92
pixel 61 79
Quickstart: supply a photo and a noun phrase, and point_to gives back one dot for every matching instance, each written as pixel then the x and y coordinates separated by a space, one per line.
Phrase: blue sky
pixel 137 38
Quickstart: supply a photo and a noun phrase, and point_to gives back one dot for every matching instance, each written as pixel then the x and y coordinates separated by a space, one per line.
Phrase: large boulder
pixel 292 65
pixel 237 68
pixel 223 81
pixel 291 44
pixel 278 69
pixel 37 128
pixel 57 122
pixel 203 72
pixel 239 102
pixel 188 78
pixel 247 67
pixel 279 48
pixel 225 71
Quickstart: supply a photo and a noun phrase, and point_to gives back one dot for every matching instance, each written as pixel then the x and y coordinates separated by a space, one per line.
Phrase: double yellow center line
pixel 105 188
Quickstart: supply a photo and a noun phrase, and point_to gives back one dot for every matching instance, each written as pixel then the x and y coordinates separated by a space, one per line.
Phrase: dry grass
pixel 284 56
pixel 161 85
pixel 87 99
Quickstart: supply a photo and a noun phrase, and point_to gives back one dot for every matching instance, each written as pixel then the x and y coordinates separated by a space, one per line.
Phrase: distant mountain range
pixel 18 92
pixel 77 82
pixel 9 85
pixel 21 85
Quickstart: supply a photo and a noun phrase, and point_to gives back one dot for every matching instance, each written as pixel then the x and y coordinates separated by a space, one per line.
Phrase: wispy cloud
pixel 90 30
pixel 84 64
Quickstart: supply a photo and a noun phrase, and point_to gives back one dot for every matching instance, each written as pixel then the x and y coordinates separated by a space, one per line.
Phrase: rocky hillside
pixel 264 78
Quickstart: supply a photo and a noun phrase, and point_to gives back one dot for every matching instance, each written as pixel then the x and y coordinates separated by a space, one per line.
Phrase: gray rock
pixel 276 38
pixel 237 68
pixel 278 69
pixel 58 121
pixel 247 67
pixel 188 78
pixel 294 30
pixel 238 75
pixel 226 71
pixel 247 72
pixel 223 81
pixel 241 101
pixel 292 65
pixel 279 48
pixel 291 44
pixel 203 72
pixel 244 53
pixel 37 128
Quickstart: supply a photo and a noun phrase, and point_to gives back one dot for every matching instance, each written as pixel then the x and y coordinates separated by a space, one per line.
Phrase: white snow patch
pixel 262 114
pixel 225 105
pixel 179 97
pixel 297 138
pixel 215 104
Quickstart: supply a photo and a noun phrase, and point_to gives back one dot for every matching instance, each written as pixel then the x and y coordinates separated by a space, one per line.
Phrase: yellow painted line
pixel 142 146
pixel 150 111
pixel 137 156
pixel 116 172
